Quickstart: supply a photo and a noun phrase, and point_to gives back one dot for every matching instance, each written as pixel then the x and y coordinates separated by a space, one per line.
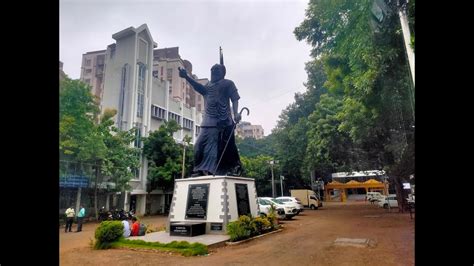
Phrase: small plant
pixel 272 217
pixel 248 224
pixel 107 233
pixel 261 224
pixel 237 231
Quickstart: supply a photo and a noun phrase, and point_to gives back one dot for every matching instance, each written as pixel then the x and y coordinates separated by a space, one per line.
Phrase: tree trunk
pixel 95 193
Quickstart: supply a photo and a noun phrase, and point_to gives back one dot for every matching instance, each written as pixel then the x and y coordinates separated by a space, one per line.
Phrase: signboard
pixel 196 207
pixel 243 202
pixel 180 230
pixel 406 186
pixel 187 229
pixel 216 226
pixel 74 181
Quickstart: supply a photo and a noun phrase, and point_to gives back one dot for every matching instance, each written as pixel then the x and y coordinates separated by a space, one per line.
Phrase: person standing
pixel 70 213
pixel 80 218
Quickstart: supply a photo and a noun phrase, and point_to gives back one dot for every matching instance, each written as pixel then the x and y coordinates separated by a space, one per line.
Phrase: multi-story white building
pixel 143 101
pixel 92 71
pixel 166 63
pixel 247 130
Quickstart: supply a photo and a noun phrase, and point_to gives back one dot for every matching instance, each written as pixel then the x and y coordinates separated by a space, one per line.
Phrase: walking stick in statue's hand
pixel 230 135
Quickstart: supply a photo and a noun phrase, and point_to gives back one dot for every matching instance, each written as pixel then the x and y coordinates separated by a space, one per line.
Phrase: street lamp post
pixel 184 158
pixel 281 184
pixel 273 180
pixel 272 162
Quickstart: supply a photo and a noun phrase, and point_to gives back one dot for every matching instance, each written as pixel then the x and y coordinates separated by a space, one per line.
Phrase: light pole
pixel 281 184
pixel 386 185
pixel 184 158
pixel 272 162
pixel 273 180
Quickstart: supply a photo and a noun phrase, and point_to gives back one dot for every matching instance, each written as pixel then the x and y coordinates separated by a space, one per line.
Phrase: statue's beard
pixel 216 77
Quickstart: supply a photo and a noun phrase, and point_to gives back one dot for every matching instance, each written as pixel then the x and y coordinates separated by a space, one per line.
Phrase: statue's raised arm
pixel 196 85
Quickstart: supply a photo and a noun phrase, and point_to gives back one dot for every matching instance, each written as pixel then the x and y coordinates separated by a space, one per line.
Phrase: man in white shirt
pixel 69 218
pixel 126 228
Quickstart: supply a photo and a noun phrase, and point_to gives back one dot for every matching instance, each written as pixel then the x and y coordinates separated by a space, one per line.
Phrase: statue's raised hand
pixel 182 72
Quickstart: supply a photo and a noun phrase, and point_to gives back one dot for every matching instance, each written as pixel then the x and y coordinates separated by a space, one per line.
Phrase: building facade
pixel 92 71
pixel 143 99
pixel 165 67
pixel 247 130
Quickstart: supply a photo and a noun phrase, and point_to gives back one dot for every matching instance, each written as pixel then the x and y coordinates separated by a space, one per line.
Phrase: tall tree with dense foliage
pixel 92 142
pixel 77 111
pixel 164 156
pixel 251 147
pixel 259 168
pixel 366 67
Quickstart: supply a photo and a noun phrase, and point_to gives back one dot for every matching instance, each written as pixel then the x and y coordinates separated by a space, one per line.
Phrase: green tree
pixel 258 168
pixel 93 142
pixel 250 147
pixel 121 156
pixel 77 110
pixel 164 156
pixel 366 67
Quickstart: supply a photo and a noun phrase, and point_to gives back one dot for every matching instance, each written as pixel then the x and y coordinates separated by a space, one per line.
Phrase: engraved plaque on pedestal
pixel 242 195
pixel 196 207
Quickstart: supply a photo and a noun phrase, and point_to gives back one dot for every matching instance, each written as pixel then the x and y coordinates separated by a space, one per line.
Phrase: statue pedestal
pixel 212 201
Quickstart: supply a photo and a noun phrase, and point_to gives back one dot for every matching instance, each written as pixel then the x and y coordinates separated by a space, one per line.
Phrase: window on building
pixel 157 112
pixel 88 62
pixel 87 81
pixel 188 124
pixel 123 82
pixel 138 136
pixel 141 89
pixel 169 73
pixel 175 117
pixel 88 71
pixel 155 74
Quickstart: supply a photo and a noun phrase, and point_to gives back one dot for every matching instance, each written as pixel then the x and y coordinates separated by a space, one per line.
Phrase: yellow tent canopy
pixel 367 185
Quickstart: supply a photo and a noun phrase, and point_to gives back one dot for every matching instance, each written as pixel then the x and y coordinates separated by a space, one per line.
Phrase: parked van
pixel 307 197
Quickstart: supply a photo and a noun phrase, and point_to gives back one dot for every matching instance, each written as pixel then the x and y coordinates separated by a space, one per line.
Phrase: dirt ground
pixel 307 239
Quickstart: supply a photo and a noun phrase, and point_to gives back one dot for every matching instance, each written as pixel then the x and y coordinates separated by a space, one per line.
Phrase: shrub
pixel 260 224
pixel 247 226
pixel 107 233
pixel 237 231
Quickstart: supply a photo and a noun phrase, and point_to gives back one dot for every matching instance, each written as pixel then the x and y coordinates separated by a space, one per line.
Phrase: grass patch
pixel 182 247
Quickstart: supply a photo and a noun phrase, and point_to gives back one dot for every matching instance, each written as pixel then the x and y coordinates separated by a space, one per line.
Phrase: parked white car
pixel 389 200
pixel 373 196
pixel 283 210
pixel 292 201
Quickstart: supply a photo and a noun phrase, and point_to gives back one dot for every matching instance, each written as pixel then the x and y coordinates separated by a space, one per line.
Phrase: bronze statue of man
pixel 217 127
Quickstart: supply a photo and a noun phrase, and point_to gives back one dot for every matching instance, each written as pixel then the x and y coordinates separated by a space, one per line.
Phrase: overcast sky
pixel 261 53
